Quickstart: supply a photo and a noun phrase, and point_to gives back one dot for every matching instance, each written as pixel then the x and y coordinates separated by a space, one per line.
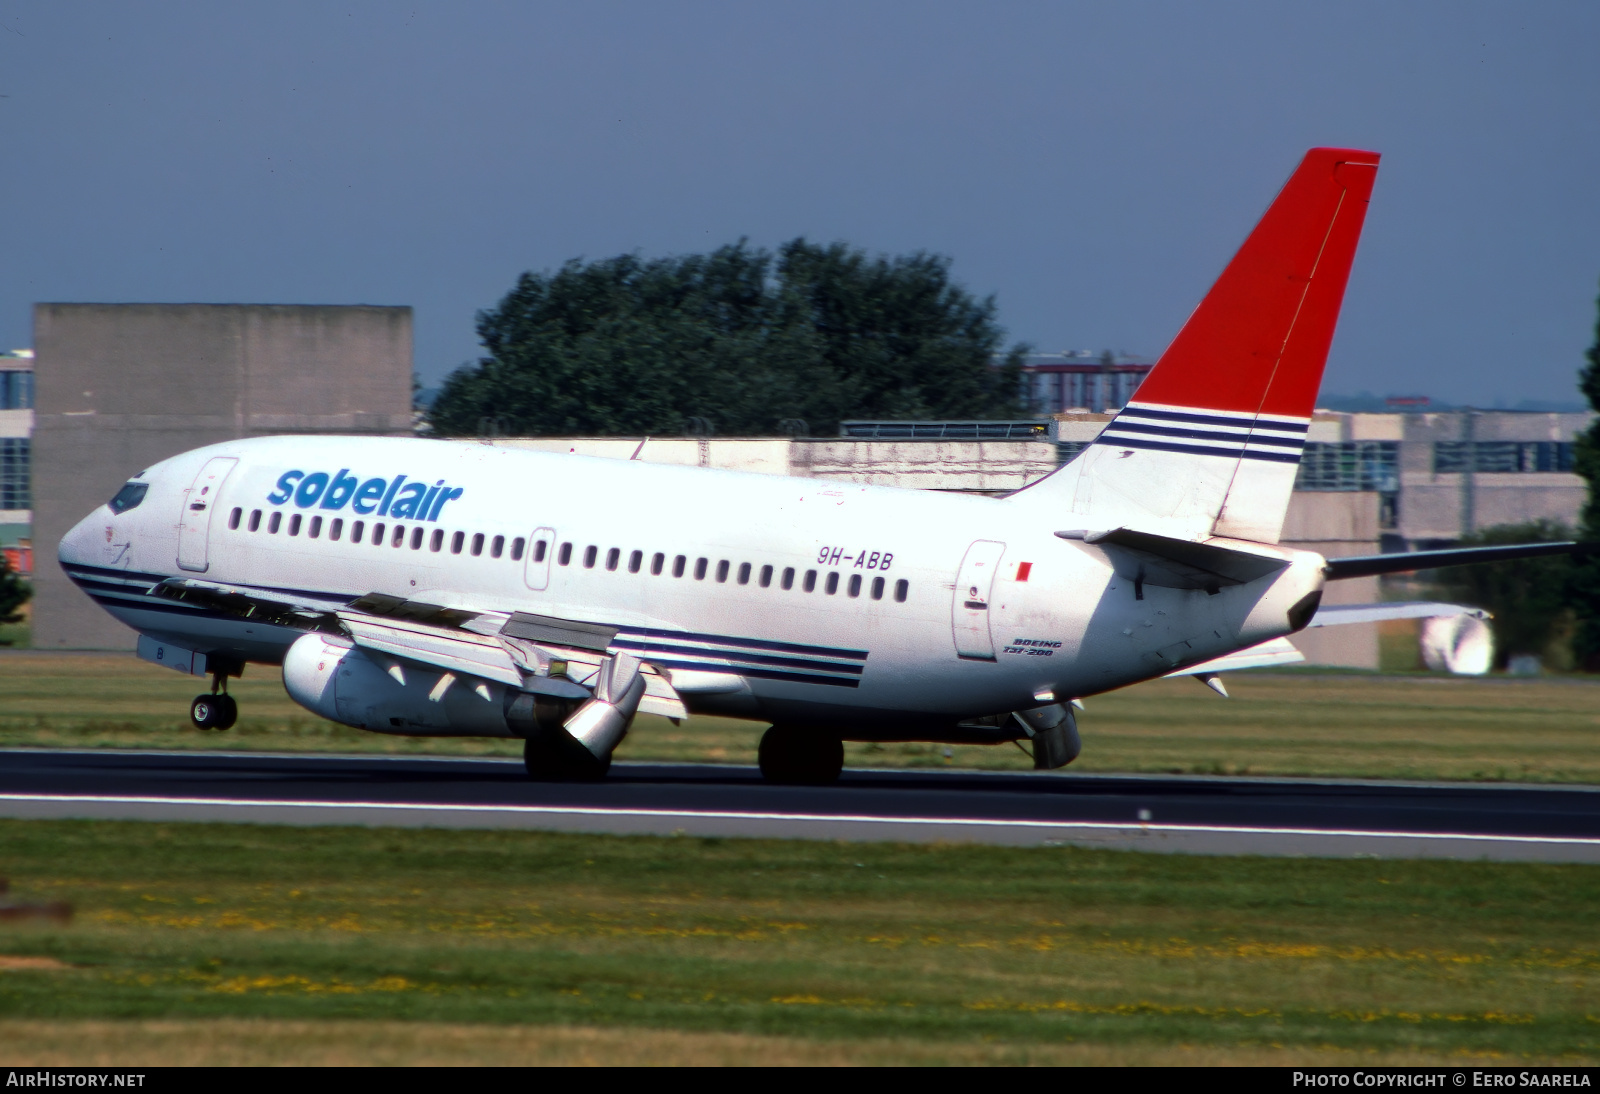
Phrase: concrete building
pixel 16 458
pixel 120 386
pixel 1081 380
pixel 1463 471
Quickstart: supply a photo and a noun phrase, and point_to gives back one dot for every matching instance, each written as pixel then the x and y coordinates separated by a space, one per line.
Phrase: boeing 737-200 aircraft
pixel 449 588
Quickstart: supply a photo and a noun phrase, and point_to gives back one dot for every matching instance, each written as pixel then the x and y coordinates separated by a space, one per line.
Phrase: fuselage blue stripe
pixel 648 648
pixel 763 674
pixel 753 649
pixel 753 643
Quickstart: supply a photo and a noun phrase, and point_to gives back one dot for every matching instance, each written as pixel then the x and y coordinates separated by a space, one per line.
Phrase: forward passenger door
pixel 199 502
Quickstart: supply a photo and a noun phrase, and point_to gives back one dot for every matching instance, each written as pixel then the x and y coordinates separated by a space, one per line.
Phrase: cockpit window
pixel 129 497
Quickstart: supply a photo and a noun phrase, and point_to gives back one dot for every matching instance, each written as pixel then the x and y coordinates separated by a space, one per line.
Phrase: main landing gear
pixel 549 758
pixel 217 710
pixel 797 757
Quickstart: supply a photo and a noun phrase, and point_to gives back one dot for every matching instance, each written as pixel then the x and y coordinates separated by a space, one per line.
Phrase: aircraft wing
pixel 543 654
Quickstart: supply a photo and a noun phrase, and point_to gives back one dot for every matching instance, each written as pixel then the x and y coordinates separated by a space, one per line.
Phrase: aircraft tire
pixel 227 711
pixel 554 760
pixel 205 712
pixel 796 757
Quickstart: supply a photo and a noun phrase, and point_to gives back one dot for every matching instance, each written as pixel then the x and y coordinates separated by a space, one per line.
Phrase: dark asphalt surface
pixel 1262 804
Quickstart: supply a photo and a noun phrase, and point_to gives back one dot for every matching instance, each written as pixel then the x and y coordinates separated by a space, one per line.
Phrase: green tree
pixel 1529 597
pixel 14 592
pixel 1585 584
pixel 738 337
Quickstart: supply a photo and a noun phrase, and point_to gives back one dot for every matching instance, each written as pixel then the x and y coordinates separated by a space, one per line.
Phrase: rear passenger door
pixel 536 572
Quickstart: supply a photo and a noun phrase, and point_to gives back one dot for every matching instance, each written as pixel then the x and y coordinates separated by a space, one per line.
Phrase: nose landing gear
pixel 217 710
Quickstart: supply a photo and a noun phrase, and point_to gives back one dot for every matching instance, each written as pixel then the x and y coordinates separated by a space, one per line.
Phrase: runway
pixel 1192 814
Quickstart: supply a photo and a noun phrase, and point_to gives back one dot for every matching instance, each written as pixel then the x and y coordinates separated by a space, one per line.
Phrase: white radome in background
pixel 1461 644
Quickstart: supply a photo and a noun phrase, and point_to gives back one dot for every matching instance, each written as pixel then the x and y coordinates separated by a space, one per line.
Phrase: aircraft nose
pixel 87 540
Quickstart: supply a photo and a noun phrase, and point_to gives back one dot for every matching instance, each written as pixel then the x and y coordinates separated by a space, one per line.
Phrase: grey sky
pixel 1092 165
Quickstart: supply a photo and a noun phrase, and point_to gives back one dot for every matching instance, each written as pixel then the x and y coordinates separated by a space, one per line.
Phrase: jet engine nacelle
pixel 330 676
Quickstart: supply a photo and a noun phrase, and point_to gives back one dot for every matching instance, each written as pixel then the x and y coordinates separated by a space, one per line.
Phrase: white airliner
pixel 448 588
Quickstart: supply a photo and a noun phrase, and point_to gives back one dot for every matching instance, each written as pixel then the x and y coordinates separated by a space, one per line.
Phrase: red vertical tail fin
pixel 1258 341
pixel 1210 442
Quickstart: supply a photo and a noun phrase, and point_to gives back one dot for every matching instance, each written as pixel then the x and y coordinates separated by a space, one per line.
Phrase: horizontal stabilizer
pixel 1175 563
pixel 1273 653
pixel 1338 569
pixel 1334 615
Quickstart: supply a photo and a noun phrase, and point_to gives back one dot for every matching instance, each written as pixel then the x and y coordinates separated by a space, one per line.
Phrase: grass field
pixel 225 943
pixel 1305 723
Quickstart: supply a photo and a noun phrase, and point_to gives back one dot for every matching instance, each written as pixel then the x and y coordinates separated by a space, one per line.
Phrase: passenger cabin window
pixel 129 497
pixel 294 525
pixel 459 540
pixel 677 565
pixel 811 580
pixel 274 524
pixel 416 538
pixel 854 588
pixel 356 531
pixel 744 573
pixel 590 553
pixel 700 569
pixel 657 561
pixel 336 528
pixel 788 578
pixel 316 527
pixel 516 548
pixel 255 520
pixel 436 541
pixel 613 556
pixel 497 546
pixel 877 588
pixel 377 534
pixel 901 587
pixel 766 576
pixel 635 561
pixel 233 519
pixel 563 556
pixel 833 583
pixel 399 536
pixel 540 549
pixel 722 570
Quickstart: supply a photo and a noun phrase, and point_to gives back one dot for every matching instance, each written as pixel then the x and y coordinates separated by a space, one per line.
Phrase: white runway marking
pixel 1203 838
